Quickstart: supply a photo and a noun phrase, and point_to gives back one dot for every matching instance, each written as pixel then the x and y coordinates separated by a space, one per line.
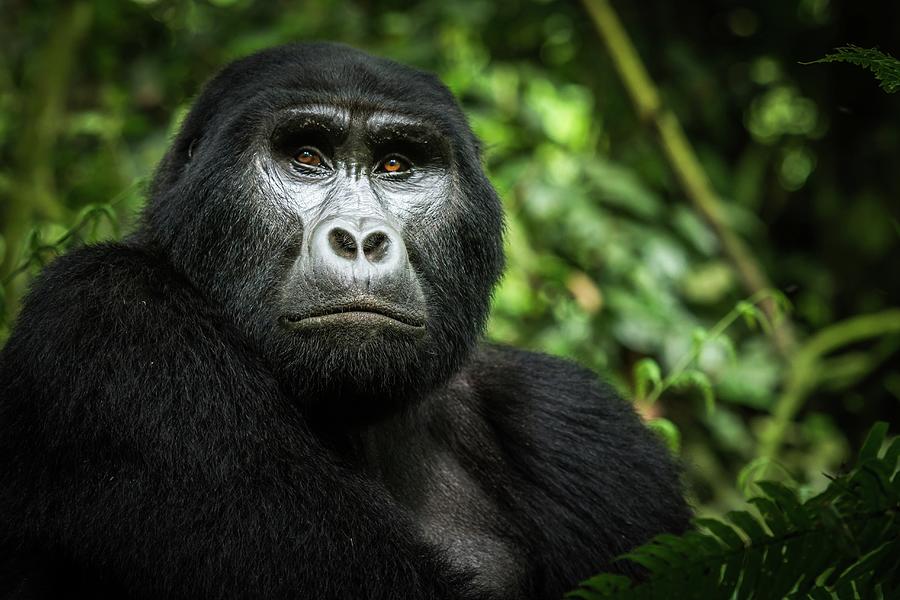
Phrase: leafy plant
pixel 843 543
pixel 885 67
pixel 43 244
pixel 649 383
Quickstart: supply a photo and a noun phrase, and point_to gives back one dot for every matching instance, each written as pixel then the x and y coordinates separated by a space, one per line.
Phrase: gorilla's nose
pixel 350 245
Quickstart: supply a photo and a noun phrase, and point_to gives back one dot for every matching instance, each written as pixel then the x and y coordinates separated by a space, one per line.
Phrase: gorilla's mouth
pixel 369 314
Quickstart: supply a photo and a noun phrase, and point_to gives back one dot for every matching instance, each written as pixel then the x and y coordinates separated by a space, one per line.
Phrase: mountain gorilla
pixel 277 387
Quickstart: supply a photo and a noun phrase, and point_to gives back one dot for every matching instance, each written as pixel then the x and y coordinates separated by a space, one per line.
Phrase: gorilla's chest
pixel 457 516
pixel 454 513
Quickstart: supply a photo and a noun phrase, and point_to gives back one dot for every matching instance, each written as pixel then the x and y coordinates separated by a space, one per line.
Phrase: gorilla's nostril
pixel 376 246
pixel 343 243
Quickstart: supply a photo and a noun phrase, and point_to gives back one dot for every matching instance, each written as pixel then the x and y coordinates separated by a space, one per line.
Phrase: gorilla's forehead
pixel 333 75
pixel 375 121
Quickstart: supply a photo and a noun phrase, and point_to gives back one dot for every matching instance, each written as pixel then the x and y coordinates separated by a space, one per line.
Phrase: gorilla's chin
pixel 367 368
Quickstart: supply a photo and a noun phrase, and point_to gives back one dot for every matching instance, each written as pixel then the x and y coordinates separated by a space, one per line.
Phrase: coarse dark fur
pixel 164 435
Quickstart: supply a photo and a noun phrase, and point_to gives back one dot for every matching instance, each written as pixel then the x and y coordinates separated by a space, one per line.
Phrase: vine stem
pixel 683 161
pixel 809 364
pixel 712 335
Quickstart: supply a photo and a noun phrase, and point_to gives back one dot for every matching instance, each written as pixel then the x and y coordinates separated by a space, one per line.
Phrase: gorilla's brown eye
pixel 393 164
pixel 309 157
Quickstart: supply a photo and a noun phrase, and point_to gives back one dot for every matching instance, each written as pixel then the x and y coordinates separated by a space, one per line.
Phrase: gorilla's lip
pixel 370 311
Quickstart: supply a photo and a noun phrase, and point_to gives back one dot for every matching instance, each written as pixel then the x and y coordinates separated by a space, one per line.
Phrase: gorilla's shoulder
pixel 103 279
pixel 519 376
pixel 556 403
pixel 106 294
pixel 93 268
pixel 562 421
pixel 582 458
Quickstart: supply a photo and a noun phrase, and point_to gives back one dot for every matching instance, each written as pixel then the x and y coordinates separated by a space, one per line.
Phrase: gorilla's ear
pixel 191 147
pixel 173 164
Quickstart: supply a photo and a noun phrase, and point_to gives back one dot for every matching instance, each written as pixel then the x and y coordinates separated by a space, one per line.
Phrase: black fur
pixel 162 437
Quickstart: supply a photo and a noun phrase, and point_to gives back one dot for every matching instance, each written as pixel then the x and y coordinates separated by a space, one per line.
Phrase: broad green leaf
pixel 873 442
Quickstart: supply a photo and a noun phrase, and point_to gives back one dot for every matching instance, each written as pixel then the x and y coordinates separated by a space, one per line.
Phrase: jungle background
pixel 742 288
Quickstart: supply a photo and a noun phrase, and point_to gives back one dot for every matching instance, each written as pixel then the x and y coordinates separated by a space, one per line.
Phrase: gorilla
pixel 277 386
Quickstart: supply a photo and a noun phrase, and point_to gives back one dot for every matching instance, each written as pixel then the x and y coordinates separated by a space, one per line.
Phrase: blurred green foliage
pixel 609 264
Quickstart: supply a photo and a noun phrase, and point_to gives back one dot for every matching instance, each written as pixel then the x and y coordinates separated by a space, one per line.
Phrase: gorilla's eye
pixel 308 156
pixel 393 164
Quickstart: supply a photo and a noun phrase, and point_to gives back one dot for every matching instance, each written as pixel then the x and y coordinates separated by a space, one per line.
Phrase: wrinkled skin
pixel 277 388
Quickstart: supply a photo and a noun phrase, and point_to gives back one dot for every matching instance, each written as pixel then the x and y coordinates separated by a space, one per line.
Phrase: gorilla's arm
pixel 156 458
pixel 585 478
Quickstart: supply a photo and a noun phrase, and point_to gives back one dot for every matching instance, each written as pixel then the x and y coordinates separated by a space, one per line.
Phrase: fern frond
pixel 885 67
pixel 844 542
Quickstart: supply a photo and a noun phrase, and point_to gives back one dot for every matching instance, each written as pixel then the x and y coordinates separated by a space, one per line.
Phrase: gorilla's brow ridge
pixel 384 124
pixel 322 116
pixel 380 126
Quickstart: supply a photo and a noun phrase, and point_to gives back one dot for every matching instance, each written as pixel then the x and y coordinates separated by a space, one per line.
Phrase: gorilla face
pixel 333 206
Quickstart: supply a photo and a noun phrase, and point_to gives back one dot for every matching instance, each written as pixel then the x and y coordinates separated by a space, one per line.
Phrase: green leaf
pixel 892 454
pixel 868 565
pixel 788 572
pixel 699 336
pixel 885 67
pixel 820 556
pixel 723 531
pixel 647 378
pixel 753 316
pixel 606 584
pixel 93 213
pixel 748 525
pixel 747 474
pixel 699 381
pixel 699 543
pixel 731 574
pixel 772 515
pixel 645 558
pixel 748 311
pixel 750 572
pixel 842 541
pixel 874 479
pixel 669 432
pixel 588 595
pixel 873 442
pixel 819 593
pixel 618 186
pixel 788 502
